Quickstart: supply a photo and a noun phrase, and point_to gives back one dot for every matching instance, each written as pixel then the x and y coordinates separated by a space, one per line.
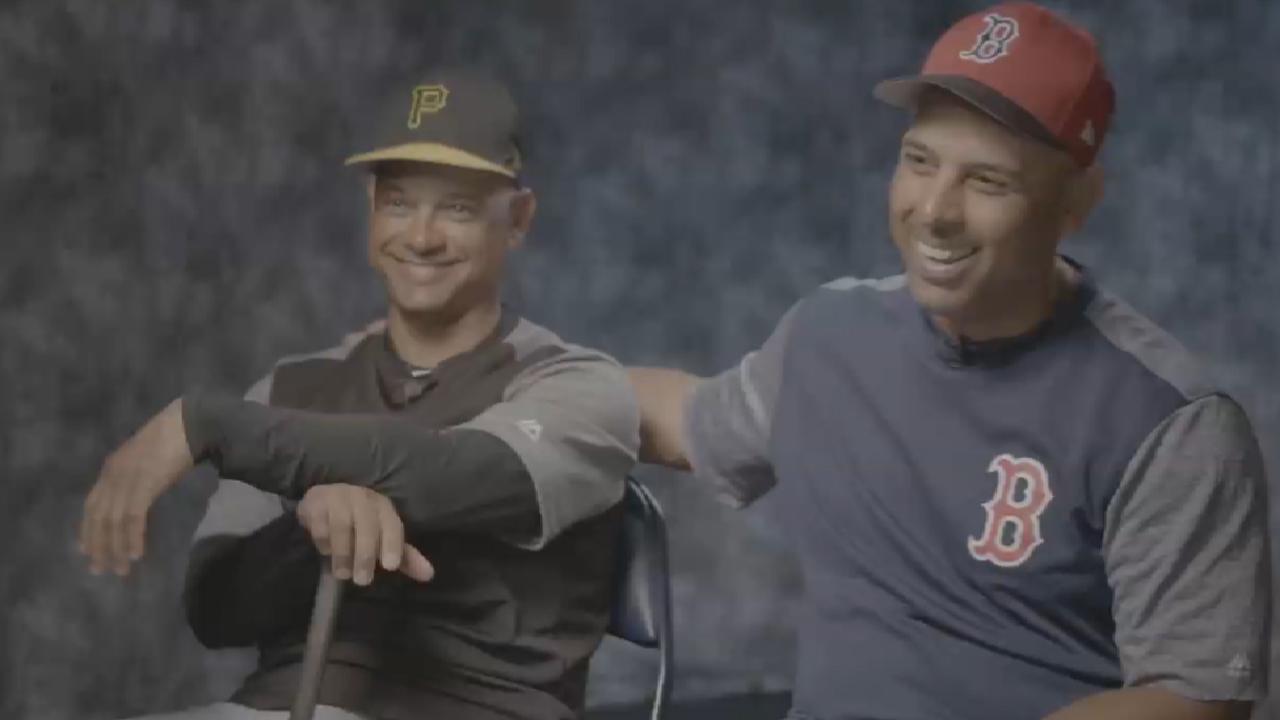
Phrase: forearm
pixel 1148 703
pixel 438 480
pixel 661 393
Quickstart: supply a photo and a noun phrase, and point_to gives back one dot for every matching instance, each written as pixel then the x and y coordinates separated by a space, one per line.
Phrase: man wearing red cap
pixel 1011 495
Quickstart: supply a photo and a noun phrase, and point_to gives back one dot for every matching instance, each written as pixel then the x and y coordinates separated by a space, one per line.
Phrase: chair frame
pixel 657 629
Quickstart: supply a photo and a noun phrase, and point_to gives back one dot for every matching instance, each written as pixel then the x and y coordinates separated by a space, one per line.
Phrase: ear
pixel 1084 192
pixel 523 206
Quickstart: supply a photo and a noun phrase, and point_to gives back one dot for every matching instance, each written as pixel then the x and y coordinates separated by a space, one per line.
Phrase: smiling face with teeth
pixel 977 213
pixel 439 236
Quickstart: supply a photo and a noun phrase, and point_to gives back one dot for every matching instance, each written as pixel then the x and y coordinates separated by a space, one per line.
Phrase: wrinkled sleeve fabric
pixel 1187 553
pixel 555 450
pixel 437 479
pixel 728 419
pixel 573 421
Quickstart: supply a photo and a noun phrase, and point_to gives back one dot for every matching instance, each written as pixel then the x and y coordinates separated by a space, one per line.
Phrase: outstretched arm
pixel 437 479
pixel 554 451
pixel 717 427
pixel 662 394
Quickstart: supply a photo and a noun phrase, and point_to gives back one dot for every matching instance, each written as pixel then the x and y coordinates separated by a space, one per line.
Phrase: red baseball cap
pixel 1025 67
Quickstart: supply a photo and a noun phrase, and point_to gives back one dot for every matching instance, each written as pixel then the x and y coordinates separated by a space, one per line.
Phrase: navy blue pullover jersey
pixel 996 530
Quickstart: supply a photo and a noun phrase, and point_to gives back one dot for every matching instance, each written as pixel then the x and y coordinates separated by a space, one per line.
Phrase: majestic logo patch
pixel 1012 530
pixel 994 40
pixel 1240 667
pixel 427 99
pixel 532 428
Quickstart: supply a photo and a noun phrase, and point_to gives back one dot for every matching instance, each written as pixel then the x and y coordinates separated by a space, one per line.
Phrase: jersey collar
pixel 998 352
pixel 402 383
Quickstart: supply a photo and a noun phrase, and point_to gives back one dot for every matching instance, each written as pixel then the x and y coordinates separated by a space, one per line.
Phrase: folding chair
pixel 642 596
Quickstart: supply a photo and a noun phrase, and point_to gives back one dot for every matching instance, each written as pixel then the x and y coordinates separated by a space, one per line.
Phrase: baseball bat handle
pixel 324 614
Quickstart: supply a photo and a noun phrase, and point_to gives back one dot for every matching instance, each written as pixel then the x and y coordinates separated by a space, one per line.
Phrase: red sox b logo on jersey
pixel 1012 531
pixel 994 40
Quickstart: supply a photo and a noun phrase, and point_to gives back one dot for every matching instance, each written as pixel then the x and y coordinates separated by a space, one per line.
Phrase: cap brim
pixel 430 153
pixel 904 92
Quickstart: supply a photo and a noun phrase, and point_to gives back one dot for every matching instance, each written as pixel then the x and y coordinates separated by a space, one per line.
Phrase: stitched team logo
pixel 532 428
pixel 1088 135
pixel 993 42
pixel 1240 667
pixel 427 99
pixel 1012 531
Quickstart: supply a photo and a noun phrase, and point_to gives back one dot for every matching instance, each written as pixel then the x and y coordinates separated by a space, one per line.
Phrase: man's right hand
pixel 359 529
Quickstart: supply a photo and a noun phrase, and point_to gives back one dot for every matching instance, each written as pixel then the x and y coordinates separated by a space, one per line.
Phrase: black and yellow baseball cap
pixel 451 116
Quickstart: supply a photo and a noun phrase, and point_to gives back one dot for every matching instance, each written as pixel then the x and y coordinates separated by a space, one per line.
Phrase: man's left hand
pixel 113 527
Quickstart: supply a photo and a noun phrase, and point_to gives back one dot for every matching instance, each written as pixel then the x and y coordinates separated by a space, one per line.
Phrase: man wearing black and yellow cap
pixel 460 433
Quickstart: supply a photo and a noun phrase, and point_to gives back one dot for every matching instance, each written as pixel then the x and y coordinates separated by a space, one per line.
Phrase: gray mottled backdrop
pixel 173 212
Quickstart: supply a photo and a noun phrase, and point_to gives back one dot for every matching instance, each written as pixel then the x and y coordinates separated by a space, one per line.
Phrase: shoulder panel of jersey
pixel 294 377
pixel 1163 357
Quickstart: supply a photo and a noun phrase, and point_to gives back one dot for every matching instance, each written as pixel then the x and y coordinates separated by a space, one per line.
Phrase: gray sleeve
pixel 728 419
pixel 1187 554
pixel 237 509
pixel 575 423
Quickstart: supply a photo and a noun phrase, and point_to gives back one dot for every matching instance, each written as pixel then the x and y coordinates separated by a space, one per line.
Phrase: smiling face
pixel 977 213
pixel 439 236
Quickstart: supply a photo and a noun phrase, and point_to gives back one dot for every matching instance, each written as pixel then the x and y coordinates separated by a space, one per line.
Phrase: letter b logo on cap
pixel 993 42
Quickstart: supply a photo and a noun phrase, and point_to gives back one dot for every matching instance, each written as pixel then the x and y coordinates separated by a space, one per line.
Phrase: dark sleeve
pixel 252 589
pixel 453 479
